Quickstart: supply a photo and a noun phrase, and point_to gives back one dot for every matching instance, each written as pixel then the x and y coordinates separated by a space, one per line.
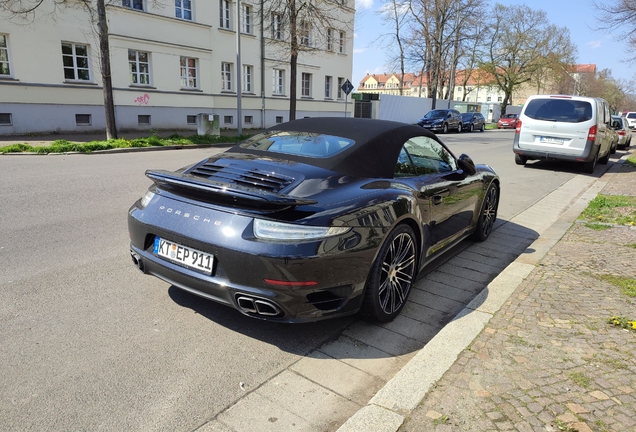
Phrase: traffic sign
pixel 347 87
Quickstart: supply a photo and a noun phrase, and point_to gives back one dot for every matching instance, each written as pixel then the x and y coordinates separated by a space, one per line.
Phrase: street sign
pixel 347 87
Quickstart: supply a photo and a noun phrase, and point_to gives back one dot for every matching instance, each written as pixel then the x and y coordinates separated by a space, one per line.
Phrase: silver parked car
pixel 620 125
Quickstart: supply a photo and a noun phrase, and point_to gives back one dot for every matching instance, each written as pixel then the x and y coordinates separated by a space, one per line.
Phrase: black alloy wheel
pixel 488 213
pixel 391 276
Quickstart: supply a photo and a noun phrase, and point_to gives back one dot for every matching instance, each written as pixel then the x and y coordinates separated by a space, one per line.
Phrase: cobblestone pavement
pixel 549 360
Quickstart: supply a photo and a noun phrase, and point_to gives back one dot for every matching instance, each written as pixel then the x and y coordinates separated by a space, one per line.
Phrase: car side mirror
pixel 466 164
pixel 448 115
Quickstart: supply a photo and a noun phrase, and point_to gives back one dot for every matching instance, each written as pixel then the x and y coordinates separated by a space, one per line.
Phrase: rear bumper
pixel 588 154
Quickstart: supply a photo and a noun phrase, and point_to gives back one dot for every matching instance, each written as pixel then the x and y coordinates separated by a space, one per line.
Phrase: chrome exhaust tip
pixel 137 261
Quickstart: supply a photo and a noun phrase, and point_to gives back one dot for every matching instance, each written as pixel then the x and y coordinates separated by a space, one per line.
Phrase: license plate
pixel 549 140
pixel 187 256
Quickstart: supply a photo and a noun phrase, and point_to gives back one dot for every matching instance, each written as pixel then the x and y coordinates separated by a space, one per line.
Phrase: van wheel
pixel 589 167
pixel 520 160
pixel 605 158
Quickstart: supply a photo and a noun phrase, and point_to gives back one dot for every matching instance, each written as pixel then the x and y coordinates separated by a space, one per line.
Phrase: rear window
pixel 559 110
pixel 631 115
pixel 298 143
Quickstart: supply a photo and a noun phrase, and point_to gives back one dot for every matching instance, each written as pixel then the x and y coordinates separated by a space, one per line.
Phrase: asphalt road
pixel 87 342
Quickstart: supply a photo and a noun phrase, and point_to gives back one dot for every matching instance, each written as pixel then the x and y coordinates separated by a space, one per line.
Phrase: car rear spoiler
pixel 223 193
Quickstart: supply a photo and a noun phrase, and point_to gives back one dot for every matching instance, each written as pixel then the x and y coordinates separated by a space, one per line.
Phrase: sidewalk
pixel 548 360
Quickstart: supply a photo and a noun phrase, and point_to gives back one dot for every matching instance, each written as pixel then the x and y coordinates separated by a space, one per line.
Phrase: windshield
pixel 435 114
pixel 510 115
pixel 307 144
pixel 559 110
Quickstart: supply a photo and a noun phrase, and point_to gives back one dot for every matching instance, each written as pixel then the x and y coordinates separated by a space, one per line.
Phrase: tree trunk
pixel 293 64
pixel 104 53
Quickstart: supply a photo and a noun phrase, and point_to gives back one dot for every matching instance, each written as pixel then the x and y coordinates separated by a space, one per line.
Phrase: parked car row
pixel 444 120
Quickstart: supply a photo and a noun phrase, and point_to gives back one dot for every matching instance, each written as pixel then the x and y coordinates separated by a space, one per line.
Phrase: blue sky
pixel 603 49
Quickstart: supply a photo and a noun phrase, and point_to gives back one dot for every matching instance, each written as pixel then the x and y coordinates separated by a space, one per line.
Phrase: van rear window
pixel 559 110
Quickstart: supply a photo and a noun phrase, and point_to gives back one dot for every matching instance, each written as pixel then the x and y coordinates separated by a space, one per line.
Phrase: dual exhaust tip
pixel 137 261
pixel 252 305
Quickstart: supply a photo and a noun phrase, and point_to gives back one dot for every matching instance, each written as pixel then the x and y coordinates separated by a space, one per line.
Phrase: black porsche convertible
pixel 311 219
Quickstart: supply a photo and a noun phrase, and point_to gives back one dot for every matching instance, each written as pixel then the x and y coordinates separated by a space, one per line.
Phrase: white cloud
pixel 359 50
pixel 594 44
pixel 364 4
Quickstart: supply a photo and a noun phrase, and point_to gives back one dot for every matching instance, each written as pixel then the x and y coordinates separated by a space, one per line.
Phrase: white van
pixel 561 127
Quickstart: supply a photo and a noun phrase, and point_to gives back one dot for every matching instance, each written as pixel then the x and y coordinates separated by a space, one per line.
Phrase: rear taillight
pixel 621 132
pixel 518 128
pixel 591 135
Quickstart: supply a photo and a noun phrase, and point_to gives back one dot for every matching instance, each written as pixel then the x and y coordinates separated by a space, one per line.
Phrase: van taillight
pixel 518 128
pixel 591 135
pixel 621 132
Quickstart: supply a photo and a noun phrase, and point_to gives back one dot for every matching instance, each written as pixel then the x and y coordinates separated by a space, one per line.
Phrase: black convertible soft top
pixel 374 153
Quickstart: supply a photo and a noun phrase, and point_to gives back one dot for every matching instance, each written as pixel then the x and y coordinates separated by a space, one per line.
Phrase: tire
pixel 459 128
pixel 520 160
pixel 488 213
pixel 605 159
pixel 391 276
pixel 613 148
pixel 445 128
pixel 482 128
pixel 470 129
pixel 588 167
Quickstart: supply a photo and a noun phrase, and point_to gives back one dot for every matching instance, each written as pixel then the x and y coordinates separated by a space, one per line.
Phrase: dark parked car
pixel 442 120
pixel 312 219
pixel 508 121
pixel 473 121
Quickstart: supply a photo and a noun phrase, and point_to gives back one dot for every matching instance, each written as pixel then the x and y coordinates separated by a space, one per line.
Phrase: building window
pixel 191 119
pixel 249 120
pixel 277 26
pixel 340 84
pixel 226 76
pixel 5 119
pixel 328 81
pixel 189 72
pixel 139 67
pixel 499 99
pixel 75 60
pixel 329 40
pixel 143 119
pixel 306 85
pixel 488 99
pixel 341 46
pixel 4 56
pixel 305 33
pixel 133 4
pixel 228 119
pixel 183 9
pixel 279 119
pixel 82 119
pixel 225 7
pixel 247 79
pixel 279 81
pixel 247 19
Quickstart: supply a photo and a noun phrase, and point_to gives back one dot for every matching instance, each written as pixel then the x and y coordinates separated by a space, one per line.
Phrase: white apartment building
pixel 170 61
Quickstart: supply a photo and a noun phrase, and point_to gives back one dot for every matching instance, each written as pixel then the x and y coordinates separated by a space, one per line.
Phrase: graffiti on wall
pixel 142 100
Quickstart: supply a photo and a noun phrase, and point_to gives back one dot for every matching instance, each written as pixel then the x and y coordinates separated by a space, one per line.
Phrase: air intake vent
pixel 234 174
